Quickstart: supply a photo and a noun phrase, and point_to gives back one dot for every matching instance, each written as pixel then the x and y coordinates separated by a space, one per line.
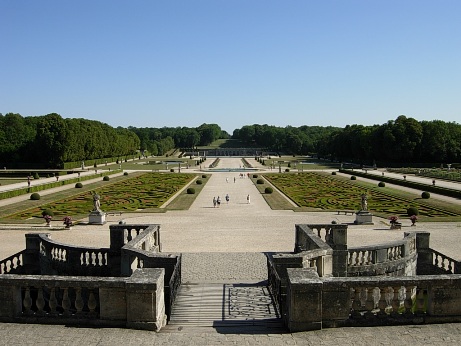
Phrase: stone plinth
pixel 97 218
pixel 363 217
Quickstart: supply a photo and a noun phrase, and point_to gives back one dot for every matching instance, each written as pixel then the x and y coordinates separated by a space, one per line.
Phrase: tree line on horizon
pixel 404 140
pixel 50 140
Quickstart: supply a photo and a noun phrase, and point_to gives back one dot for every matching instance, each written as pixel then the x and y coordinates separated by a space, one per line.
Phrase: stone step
pixel 224 307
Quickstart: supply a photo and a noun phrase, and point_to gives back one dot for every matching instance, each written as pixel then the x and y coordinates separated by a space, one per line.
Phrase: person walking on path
pixel 248 199
pixel 227 198
pixel 214 202
pixel 218 201
pixel 28 180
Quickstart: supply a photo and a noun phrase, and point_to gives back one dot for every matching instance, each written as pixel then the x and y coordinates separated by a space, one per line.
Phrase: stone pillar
pixel 145 299
pixel 31 257
pixel 424 264
pixel 304 300
pixel 340 252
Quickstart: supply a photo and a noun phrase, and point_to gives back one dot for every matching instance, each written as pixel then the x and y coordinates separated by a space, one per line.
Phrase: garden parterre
pixel 149 190
pixel 324 192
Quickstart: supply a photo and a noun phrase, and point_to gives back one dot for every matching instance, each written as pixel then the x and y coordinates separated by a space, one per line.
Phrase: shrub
pixel 412 211
pixel 190 191
pixel 106 178
pixel 333 173
pixel 426 195
pixel 36 176
pixel 287 170
pixel 171 170
pixel 259 181
pixel 268 190
pixel 47 212
pixel 35 196
pixel 255 176
pixel 79 185
pixel 381 184
pixel 125 173
pixel 334 222
pixel 199 182
pixel 353 177
pixel 204 176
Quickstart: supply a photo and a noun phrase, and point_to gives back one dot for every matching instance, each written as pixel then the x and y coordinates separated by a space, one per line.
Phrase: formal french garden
pixel 146 192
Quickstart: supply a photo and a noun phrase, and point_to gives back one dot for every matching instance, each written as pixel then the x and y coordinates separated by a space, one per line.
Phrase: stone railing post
pixel 340 253
pixel 304 300
pixel 425 257
pixel 31 257
pixel 145 299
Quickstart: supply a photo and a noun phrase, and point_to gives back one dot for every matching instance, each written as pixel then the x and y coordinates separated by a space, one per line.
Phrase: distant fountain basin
pixel 231 169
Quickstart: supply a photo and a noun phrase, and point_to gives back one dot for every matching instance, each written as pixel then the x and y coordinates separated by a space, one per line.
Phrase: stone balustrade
pixel 101 286
pixel 393 258
pixel 13 264
pixel 314 302
pixel 134 302
pixel 443 264
pixel 62 259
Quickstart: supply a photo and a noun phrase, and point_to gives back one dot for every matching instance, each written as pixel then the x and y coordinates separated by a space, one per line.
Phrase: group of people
pixel 217 201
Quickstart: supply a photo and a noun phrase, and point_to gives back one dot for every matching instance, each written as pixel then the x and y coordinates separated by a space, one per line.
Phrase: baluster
pixel 92 303
pixel 445 263
pixel 78 300
pixel 40 302
pixel 2 268
pixel 27 302
pixel 436 260
pixel 408 301
pixel 370 302
pixel 356 303
pixel 370 257
pixel 53 303
pixel 357 258
pixel 129 237
pixel 450 266
pixel 420 301
pixel 66 301
pixel 382 304
pixel 395 300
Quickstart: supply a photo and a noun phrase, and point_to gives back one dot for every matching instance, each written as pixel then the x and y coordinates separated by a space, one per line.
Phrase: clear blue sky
pixel 152 63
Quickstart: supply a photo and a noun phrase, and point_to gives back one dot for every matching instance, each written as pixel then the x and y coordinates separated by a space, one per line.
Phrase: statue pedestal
pixel 97 218
pixel 363 217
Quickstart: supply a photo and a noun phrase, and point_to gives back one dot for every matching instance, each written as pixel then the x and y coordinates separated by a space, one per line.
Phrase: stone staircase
pixel 224 308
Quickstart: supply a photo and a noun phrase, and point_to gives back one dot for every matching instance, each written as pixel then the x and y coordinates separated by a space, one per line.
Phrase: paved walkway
pixel 212 238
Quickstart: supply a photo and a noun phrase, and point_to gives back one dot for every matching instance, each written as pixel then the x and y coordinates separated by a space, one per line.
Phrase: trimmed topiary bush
pixel 259 181
pixel 268 190
pixel 204 176
pixel 199 182
pixel 106 178
pixel 125 173
pixel 47 212
pixel 412 211
pixel 255 176
pixel 36 176
pixel 333 173
pixel 35 196
pixel 353 177
pixel 381 184
pixel 172 170
pixel 190 191
pixel 426 195
pixel 287 170
pixel 78 185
